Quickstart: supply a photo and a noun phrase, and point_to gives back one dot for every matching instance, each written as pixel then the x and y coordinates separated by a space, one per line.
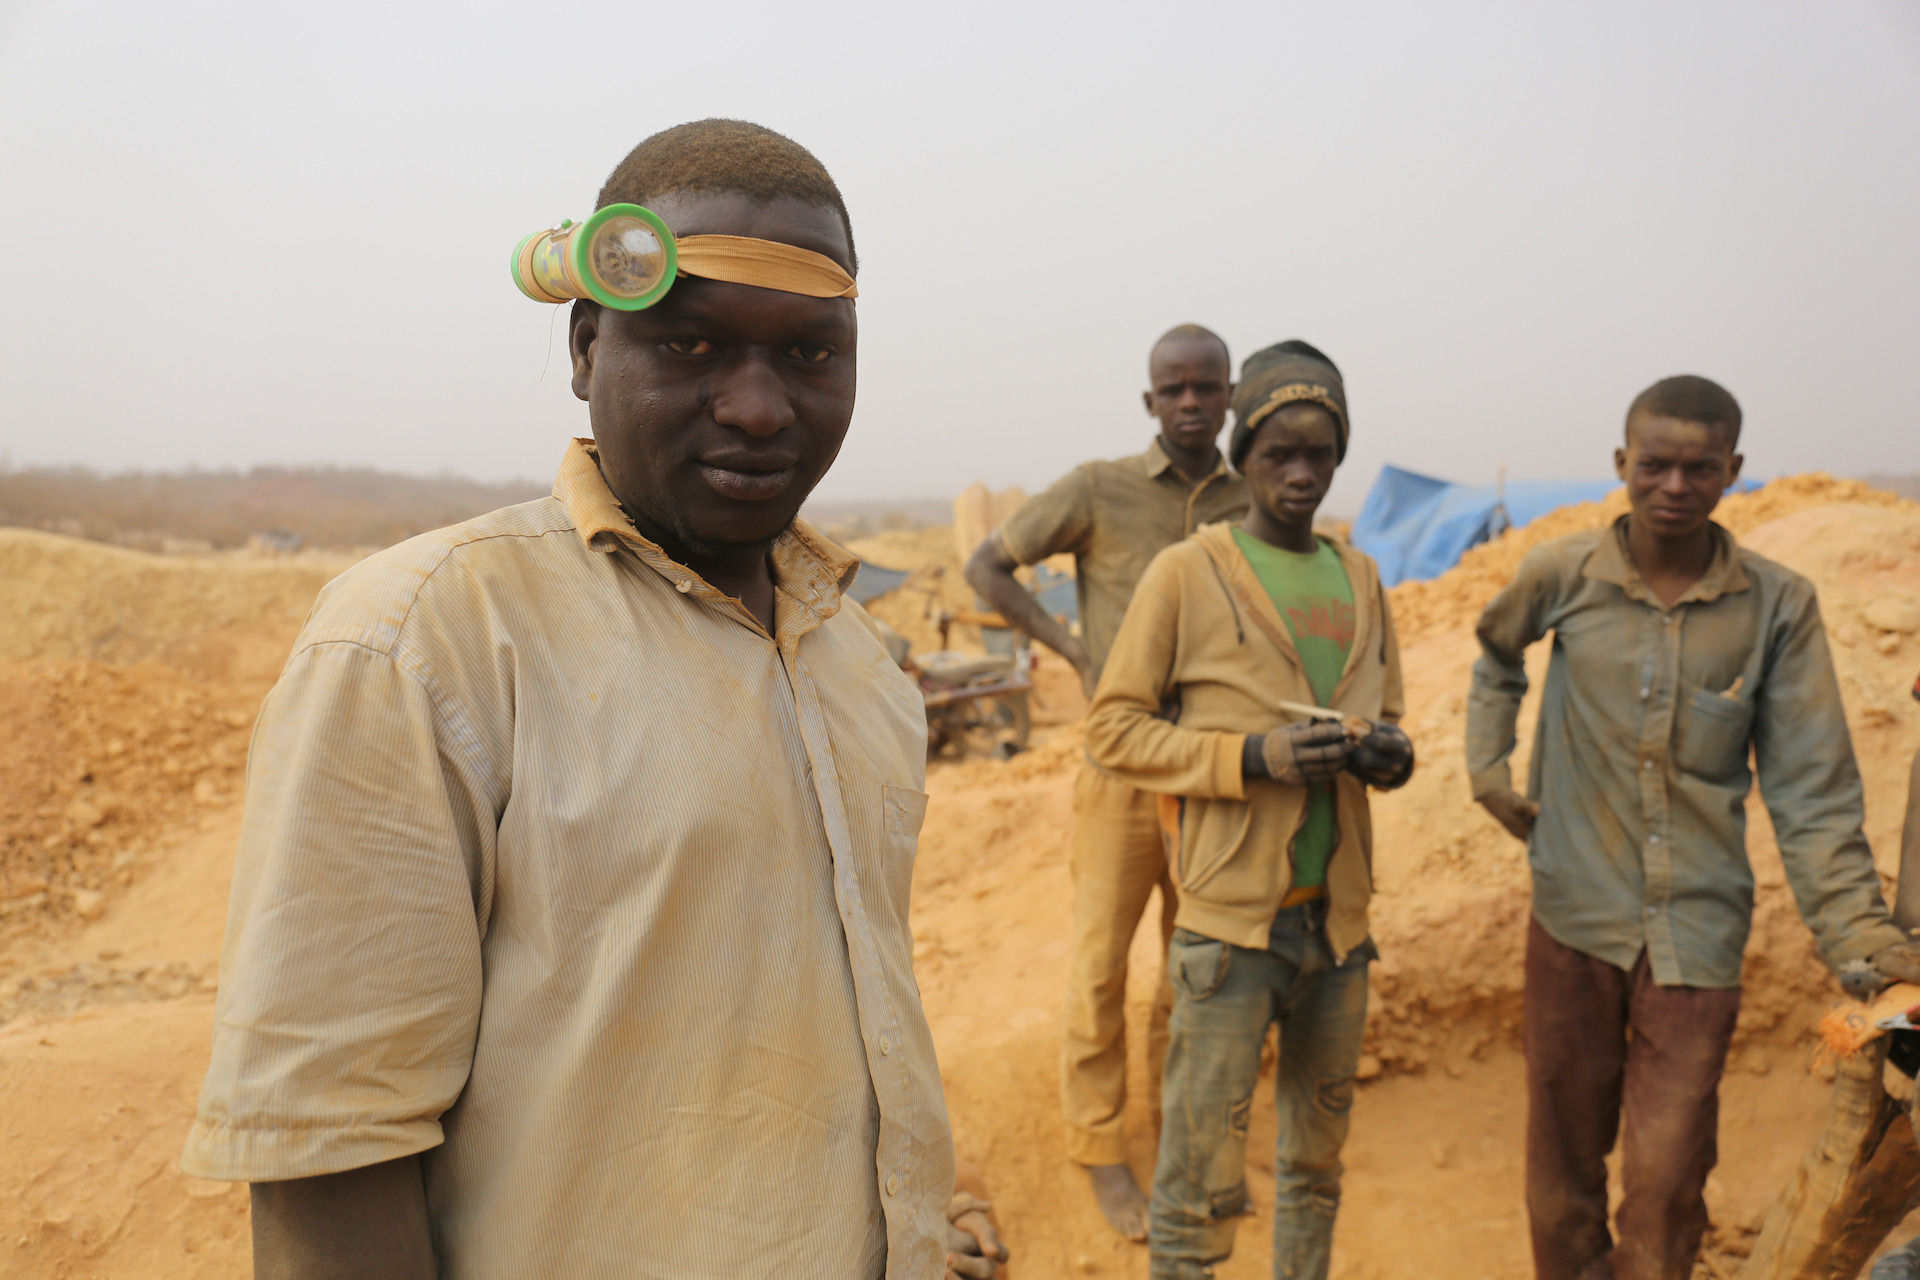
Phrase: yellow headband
pixel 767 264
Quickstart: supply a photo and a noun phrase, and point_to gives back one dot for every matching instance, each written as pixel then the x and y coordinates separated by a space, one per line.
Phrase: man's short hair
pixel 1688 398
pixel 726 155
pixel 1196 332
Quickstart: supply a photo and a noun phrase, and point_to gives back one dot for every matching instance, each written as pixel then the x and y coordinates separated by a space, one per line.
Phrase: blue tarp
pixel 874 582
pixel 1418 527
pixel 1057 593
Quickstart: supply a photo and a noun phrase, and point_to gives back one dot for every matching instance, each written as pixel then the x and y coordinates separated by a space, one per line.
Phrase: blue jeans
pixel 1223 999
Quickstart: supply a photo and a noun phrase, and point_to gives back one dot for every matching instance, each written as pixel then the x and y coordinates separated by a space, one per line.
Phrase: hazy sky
pixel 271 233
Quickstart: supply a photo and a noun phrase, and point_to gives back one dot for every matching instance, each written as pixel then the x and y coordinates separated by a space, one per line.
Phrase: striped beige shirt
pixel 559 869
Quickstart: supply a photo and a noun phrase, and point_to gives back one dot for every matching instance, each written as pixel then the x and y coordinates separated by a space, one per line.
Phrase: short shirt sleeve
pixel 1047 524
pixel 351 976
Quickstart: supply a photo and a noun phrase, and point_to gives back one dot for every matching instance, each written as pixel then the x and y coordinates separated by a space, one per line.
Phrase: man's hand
pixel 1899 963
pixel 1511 810
pixel 974 1249
pixel 1305 751
pixel 1383 757
pixel 370 1223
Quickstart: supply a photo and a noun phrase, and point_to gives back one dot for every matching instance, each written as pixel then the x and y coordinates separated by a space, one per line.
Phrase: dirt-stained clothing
pixel 560 870
pixel 1640 759
pixel 1115 517
pixel 1117 860
pixel 1225 998
pixel 1202 661
pixel 1585 1074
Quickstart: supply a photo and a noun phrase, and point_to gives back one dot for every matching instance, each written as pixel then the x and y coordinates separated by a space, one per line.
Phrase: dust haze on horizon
pixel 245 236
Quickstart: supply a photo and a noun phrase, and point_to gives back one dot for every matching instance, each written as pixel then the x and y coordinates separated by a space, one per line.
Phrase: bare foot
pixel 1120 1198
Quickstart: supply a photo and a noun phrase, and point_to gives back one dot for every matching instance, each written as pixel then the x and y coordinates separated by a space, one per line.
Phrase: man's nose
pixel 751 397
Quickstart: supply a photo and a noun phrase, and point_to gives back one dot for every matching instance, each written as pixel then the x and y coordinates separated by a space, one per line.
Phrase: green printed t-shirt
pixel 1314 598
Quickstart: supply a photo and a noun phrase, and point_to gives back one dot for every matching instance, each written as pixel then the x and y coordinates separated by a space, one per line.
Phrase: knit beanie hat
pixel 1281 374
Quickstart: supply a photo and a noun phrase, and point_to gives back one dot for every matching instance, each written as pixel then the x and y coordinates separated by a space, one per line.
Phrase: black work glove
pixel 1383 757
pixel 1299 753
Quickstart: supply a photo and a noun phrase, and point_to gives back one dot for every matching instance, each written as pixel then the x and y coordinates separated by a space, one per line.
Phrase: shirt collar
pixel 1611 562
pixel 808 570
pixel 1157 463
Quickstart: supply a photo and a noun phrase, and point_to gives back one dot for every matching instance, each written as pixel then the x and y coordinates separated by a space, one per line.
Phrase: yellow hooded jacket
pixel 1202 660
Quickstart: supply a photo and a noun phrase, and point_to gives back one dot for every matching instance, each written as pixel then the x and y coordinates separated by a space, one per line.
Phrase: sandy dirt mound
pixel 109 995
pixel 128 685
pixel 70 598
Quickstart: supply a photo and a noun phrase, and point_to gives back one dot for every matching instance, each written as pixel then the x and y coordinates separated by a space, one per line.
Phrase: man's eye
pixel 813 353
pixel 690 346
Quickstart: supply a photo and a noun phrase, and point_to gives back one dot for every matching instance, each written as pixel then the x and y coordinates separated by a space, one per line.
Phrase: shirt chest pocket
pixel 1714 730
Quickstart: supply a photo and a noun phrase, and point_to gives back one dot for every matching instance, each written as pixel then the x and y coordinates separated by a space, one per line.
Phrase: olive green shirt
pixel 1640 761
pixel 1114 517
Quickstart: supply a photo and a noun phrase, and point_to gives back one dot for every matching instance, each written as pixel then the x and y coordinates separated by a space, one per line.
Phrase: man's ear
pixel 583 326
pixel 1146 398
pixel 1733 471
pixel 1619 461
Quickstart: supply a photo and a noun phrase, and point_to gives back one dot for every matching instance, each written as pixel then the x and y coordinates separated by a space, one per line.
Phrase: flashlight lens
pixel 626 257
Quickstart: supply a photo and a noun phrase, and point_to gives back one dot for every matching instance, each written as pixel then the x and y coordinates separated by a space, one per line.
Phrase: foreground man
pixel 1114 517
pixel 1274 834
pixel 1676 651
pixel 568 933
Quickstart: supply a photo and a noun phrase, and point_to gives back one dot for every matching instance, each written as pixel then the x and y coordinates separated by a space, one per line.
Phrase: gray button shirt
pixel 1641 759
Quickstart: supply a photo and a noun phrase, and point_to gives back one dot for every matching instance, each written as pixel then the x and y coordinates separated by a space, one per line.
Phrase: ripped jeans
pixel 1224 998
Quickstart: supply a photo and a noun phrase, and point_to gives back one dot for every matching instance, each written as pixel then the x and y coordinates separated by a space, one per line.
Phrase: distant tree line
pixel 332 507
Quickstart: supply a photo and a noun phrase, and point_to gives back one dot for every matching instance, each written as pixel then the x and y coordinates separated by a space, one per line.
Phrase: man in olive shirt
pixel 1115 517
pixel 568 935
pixel 1676 651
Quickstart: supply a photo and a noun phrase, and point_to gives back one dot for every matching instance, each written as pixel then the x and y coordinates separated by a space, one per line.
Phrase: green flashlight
pixel 622 257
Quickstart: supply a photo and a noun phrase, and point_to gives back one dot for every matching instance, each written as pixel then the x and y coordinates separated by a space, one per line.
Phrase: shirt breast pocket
pixel 1714 735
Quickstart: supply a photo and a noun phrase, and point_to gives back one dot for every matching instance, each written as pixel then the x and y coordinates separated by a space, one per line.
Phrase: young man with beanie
pixel 1232 636
pixel 569 925
pixel 1114 517
pixel 1677 656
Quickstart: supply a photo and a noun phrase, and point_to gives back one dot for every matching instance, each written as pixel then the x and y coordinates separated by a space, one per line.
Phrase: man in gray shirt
pixel 1676 652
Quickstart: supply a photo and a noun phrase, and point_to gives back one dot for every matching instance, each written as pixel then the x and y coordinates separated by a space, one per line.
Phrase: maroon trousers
pixel 1604 1043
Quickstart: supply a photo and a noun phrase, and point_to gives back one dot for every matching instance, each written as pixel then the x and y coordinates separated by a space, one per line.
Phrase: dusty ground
pixel 126 710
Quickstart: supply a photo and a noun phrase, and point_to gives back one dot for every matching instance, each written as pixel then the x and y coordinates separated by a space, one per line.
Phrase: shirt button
pixel 893 1184
pixel 1643 694
pixel 886 1046
pixel 1646 764
pixel 1652 912
pixel 1654 838
pixel 683 586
